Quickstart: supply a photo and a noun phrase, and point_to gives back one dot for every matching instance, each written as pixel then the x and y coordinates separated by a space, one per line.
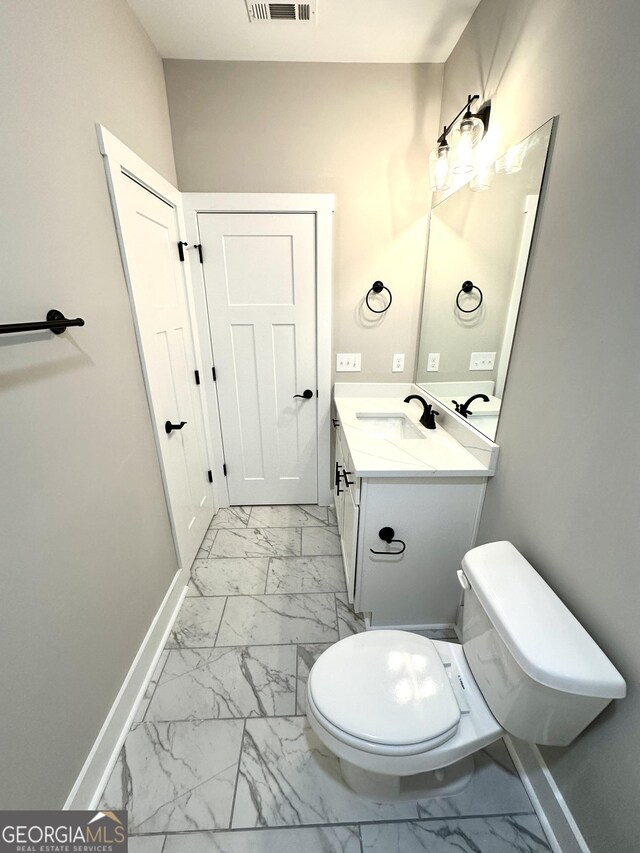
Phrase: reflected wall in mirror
pixel 480 235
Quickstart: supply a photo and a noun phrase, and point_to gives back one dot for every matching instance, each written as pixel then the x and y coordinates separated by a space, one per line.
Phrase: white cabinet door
pixel 260 280
pixel 149 232
pixel 338 482
pixel 349 541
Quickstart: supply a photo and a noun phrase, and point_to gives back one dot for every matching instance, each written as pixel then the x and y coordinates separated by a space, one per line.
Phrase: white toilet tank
pixel 540 672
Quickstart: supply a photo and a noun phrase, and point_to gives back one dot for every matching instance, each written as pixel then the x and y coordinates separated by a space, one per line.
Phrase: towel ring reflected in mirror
pixel 467 287
pixel 378 287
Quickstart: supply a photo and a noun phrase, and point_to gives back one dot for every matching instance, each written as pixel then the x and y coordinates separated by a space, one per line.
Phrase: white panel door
pixel 259 273
pixel 156 280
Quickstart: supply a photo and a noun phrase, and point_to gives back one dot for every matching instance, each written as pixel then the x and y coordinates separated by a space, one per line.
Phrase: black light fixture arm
pixel 467 108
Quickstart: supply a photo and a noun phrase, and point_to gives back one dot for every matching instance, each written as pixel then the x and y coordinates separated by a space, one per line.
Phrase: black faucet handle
pixel 429 421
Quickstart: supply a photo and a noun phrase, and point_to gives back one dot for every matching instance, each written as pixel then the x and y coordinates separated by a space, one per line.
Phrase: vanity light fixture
pixel 465 138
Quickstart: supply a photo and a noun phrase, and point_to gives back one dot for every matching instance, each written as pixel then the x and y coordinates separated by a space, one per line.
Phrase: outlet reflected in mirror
pixel 479 242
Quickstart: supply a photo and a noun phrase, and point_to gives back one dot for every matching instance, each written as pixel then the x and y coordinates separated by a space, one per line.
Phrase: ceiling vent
pixel 302 12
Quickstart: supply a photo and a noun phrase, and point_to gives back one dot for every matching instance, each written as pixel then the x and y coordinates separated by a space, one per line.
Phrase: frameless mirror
pixel 479 241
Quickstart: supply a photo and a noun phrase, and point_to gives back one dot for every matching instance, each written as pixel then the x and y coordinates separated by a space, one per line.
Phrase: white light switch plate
pixel 348 362
pixel 482 360
pixel 397 366
pixel 433 362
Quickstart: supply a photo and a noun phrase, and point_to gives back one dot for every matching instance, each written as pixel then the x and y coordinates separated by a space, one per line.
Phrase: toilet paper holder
pixel 387 534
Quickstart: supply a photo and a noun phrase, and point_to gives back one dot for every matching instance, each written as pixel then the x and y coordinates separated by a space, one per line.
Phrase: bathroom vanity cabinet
pixel 433 511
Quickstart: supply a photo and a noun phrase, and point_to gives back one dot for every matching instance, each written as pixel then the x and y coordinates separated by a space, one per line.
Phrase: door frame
pixel 322 205
pixel 120 159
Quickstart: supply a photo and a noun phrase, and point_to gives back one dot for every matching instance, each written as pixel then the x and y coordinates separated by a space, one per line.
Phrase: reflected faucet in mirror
pixel 463 408
pixel 427 418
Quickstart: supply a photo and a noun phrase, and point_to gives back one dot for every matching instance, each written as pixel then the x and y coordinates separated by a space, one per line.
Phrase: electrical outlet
pixel 348 362
pixel 482 360
pixel 397 365
pixel 433 362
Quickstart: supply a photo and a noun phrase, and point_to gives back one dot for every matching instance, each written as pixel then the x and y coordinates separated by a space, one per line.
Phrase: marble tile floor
pixel 220 756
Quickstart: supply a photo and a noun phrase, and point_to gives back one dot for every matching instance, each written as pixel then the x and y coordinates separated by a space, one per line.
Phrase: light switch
pixel 397 365
pixel 482 361
pixel 433 362
pixel 348 362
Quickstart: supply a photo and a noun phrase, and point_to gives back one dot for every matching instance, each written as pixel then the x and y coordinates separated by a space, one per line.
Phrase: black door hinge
pixel 210 476
pixel 213 371
pixel 181 243
pixel 197 373
pixel 224 469
pixel 198 246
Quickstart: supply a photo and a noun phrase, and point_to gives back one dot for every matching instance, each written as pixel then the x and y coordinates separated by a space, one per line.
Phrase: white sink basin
pixel 392 426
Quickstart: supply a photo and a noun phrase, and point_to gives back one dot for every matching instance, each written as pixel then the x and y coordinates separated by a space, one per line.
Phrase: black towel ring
pixel 378 287
pixel 467 287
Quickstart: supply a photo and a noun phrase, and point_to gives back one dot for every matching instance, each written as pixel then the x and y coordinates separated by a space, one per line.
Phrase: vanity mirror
pixel 479 241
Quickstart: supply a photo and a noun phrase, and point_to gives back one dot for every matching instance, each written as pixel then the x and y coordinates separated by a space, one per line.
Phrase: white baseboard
pixel 97 768
pixel 551 808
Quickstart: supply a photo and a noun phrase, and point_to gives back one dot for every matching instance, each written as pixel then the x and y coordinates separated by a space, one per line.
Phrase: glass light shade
pixel 482 179
pixel 439 168
pixel 465 138
pixel 512 160
pixel 463 153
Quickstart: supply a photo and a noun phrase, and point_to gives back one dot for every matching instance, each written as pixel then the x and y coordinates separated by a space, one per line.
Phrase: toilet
pixel 404 714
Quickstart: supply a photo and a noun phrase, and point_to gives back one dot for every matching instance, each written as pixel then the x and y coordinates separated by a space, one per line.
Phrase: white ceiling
pixel 346 30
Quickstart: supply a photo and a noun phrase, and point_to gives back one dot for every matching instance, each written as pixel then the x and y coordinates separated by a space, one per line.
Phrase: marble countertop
pixel 438 454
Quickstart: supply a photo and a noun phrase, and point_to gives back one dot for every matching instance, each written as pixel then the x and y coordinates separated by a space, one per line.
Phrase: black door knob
pixel 169 427
pixel 308 394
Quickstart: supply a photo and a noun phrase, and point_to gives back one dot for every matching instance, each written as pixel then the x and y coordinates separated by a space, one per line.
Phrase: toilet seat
pixel 476 729
pixel 384 692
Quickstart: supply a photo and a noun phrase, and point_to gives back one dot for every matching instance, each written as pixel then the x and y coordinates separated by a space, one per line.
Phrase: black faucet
pixel 427 420
pixel 463 408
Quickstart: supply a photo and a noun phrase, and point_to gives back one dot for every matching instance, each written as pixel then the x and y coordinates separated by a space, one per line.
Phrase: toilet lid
pixel 387 687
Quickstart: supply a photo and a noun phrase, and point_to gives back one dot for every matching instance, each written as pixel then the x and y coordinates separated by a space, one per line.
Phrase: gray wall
pixel 360 131
pixel 86 551
pixel 566 492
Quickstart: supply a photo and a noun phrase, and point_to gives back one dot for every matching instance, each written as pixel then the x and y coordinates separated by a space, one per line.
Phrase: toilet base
pixel 444 782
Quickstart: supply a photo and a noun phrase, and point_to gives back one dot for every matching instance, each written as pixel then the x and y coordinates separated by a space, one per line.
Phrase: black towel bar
pixel 56 322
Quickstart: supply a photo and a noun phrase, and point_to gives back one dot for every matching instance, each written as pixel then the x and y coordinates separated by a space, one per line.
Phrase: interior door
pixel 149 231
pixel 259 273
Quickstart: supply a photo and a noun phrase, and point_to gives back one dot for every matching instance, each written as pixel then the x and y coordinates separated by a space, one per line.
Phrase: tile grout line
pixel 345 823
pixel 266 577
pixel 215 642
pixel 297 707
pixel 235 787
pixel 360 837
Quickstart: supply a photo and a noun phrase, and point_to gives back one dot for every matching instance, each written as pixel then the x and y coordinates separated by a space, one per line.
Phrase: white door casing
pixel 259 274
pixel 148 225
